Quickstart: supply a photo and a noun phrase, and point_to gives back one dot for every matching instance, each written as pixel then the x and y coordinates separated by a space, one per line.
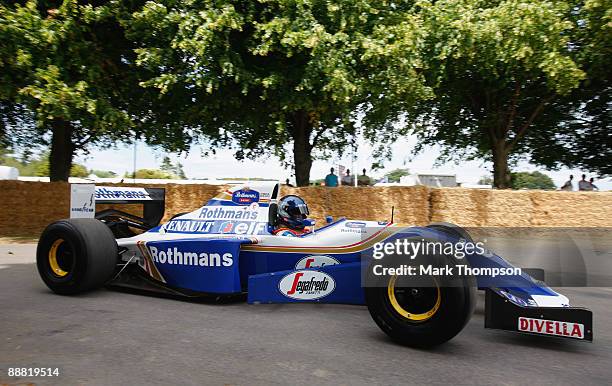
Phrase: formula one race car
pixel 231 247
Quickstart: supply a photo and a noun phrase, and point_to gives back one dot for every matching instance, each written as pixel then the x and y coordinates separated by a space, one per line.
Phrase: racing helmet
pixel 292 212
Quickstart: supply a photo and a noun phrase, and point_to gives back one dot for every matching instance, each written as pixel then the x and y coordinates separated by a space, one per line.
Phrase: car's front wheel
pixel 76 255
pixel 421 311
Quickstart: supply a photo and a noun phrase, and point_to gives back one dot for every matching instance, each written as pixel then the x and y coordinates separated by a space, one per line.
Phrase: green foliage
pixel 485 180
pixel 494 70
pixel 78 171
pixel 62 62
pixel 180 173
pixel 395 174
pixel 534 180
pixel 26 167
pixel 166 165
pixel 70 65
pixel 175 170
pixel 259 75
pixel 151 174
pixel 494 80
pixel 41 168
pixel 104 173
pixel 37 166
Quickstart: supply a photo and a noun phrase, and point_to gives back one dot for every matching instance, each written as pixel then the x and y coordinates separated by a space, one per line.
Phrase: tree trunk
pixel 62 150
pixel 302 148
pixel 501 173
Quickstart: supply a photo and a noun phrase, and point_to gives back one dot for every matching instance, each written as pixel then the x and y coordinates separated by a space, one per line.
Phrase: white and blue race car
pixel 227 248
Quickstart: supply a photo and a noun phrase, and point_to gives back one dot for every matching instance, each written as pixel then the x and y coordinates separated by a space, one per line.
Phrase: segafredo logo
pixel 315 262
pixel 306 285
pixel 174 256
pixel 245 196
pixel 551 327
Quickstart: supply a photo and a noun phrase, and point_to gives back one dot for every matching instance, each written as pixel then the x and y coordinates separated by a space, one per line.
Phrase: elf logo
pixel 307 285
pixel 551 327
pixel 315 262
pixel 226 227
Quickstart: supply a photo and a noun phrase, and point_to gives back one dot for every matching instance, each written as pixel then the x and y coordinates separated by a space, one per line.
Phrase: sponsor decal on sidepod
pixel 174 256
pixel 551 327
pixel 315 262
pixel 306 285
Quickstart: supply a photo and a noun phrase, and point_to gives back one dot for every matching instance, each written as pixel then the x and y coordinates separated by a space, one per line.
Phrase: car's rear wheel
pixel 421 311
pixel 76 255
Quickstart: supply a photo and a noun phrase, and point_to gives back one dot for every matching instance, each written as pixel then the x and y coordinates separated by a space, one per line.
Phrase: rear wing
pixel 84 197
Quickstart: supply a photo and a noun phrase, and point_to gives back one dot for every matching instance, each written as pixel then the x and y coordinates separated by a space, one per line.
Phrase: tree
pixel 175 170
pixel 485 180
pixel 77 170
pixel 166 165
pixel 583 118
pixel 69 65
pixel 534 180
pixel 396 174
pixel 104 173
pixel 259 75
pixel 17 126
pixel 494 69
pixel 41 167
pixel 180 173
pixel 151 174
pixel 37 165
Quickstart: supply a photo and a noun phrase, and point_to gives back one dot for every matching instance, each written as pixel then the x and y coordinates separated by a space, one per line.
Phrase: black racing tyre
pixel 76 255
pixel 451 229
pixel 424 311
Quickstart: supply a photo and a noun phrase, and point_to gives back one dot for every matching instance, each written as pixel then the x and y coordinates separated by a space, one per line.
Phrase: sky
pixel 121 159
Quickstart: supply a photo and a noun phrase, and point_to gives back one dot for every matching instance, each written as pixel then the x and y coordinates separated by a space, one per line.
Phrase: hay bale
pixel 182 198
pixel 27 207
pixel 512 208
pixel 366 203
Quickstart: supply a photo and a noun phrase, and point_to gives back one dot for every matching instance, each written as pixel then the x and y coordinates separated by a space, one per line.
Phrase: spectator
pixel 348 179
pixel 363 180
pixel 568 184
pixel 288 184
pixel 583 184
pixel 331 179
pixel 593 186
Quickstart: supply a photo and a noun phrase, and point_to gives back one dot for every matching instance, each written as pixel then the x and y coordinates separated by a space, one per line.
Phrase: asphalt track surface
pixel 108 337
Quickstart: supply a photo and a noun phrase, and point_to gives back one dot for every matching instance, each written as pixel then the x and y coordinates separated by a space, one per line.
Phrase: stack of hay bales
pixel 571 209
pixel 366 203
pixel 512 208
pixel 26 208
pixel 181 198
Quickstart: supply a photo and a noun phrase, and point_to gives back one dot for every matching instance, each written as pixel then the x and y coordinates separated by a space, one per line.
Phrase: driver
pixel 291 220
